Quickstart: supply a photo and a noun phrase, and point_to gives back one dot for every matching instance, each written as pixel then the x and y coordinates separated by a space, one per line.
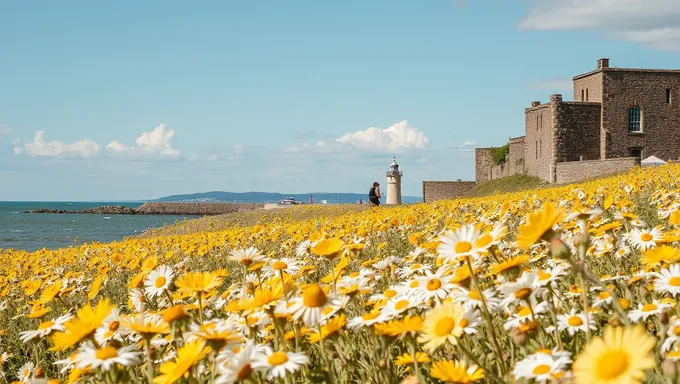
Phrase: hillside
pixel 273 197
pixel 506 185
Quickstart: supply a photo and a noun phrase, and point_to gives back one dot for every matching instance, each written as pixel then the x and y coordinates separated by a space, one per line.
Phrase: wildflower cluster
pixel 570 284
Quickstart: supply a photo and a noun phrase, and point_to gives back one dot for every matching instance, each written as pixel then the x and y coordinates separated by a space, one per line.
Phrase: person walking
pixel 374 194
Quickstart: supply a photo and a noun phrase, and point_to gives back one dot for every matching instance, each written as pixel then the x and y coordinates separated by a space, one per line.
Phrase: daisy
pixel 470 321
pixel 413 269
pixel 647 310
pixel 26 372
pixel 575 322
pixel 386 263
pixel 187 356
pixel 365 320
pixel 456 372
pixel 473 298
pixel 137 299
pixel 434 286
pixel 278 364
pixel 673 335
pixel 644 239
pixel 284 265
pixel 45 328
pixel 668 280
pixel 106 357
pixel 524 288
pixel 540 367
pixel 621 356
pixel 239 366
pixel 354 285
pixel 398 305
pixel 550 275
pixel 246 256
pixel 443 324
pixel 455 245
pixel 312 305
pixel 523 315
pixel 304 248
pixel 158 281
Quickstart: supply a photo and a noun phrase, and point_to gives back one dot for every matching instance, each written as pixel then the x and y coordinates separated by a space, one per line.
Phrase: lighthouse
pixel 394 184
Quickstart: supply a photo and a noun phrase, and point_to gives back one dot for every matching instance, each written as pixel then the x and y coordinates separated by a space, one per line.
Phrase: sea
pixel 33 231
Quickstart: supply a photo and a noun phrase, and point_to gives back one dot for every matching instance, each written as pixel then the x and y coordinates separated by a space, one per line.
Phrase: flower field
pixel 569 284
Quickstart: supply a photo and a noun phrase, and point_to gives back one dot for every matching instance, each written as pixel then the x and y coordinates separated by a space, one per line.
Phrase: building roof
pixel 616 69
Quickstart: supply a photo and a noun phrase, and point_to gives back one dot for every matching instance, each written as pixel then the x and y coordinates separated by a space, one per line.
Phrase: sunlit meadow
pixel 569 284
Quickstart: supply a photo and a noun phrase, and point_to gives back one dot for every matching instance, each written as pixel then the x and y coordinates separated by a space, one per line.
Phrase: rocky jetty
pixel 103 210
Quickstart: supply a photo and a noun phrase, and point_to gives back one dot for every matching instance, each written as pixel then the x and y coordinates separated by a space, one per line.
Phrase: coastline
pixel 159 208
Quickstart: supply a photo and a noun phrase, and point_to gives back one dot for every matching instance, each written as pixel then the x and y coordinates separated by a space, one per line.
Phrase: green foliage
pixel 506 185
pixel 498 154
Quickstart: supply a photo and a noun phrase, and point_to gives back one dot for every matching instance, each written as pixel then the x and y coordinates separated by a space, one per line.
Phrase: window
pixel 634 120
pixel 540 147
pixel 537 126
pixel 668 95
pixel 541 122
pixel 586 94
pixel 582 95
pixel 636 152
pixel 537 149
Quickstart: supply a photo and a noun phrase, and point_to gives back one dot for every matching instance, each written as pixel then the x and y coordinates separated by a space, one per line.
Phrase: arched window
pixel 634 119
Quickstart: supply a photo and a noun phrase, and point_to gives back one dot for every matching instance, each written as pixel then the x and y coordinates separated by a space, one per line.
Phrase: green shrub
pixel 498 154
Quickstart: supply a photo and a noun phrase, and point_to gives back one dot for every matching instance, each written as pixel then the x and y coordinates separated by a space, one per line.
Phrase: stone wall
pixel 588 87
pixel 483 164
pixel 445 190
pixel 516 156
pixel 646 89
pixel 539 138
pixel 195 208
pixel 569 172
pixel 577 132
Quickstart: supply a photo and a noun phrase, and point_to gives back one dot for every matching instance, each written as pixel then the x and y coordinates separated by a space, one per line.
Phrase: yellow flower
pixel 175 313
pixel 505 265
pixel 198 282
pixel 442 325
pixel 538 224
pixel 146 325
pixel 50 292
pixel 456 372
pixel 86 322
pixel 661 254
pixel 621 356
pixel 33 287
pixel 187 356
pixel 407 325
pixel 331 327
pixel 328 248
pixel 96 286
pixel 407 358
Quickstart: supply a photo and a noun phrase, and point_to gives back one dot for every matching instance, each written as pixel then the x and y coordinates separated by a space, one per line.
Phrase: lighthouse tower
pixel 394 184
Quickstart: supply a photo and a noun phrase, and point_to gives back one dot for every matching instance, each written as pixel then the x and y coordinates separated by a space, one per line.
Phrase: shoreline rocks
pixel 103 210
pixel 156 208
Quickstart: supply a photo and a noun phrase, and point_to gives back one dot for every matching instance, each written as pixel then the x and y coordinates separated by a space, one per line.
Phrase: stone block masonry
pixel 573 171
pixel 445 190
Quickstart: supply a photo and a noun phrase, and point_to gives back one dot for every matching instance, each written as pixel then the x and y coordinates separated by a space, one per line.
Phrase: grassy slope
pixel 506 185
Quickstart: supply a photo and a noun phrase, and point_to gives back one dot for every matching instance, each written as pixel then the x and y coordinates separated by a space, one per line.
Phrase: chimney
pixel 535 104
pixel 603 63
pixel 556 98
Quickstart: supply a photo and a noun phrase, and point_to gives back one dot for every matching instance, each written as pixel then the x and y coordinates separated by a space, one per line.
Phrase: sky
pixel 131 100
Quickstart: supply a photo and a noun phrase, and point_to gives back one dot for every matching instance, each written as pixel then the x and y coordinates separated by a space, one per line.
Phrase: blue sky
pixel 137 100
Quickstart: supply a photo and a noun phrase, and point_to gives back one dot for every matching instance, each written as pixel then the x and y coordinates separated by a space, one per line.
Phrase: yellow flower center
pixel 277 358
pixel 114 326
pixel 649 307
pixel 160 281
pixel 434 284
pixel 444 326
pixel 464 322
pixel 463 246
pixel 416 266
pixel 625 303
pixel 611 364
pixel 390 293
pixel 108 334
pixel 369 316
pixel 542 275
pixel 314 296
pixel 106 353
pixel 401 304
pixel 676 330
pixel 27 372
pixel 541 369
pixel 674 281
pixel 475 295
pixel 646 237
pixel 279 265
pixel 523 293
pixel 525 311
pixel 45 325
pixel 414 284
pixel 245 372
pixel 603 295
pixel 575 321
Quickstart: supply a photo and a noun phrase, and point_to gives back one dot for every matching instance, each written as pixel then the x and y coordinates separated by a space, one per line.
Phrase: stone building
pixel 617 117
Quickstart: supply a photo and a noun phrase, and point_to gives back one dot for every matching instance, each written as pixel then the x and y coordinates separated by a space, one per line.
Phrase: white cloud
pixel 212 157
pixel 395 138
pixel 655 23
pixel 4 130
pixel 16 141
pixel 158 141
pixel 39 147
pixel 552 85
pixel 468 145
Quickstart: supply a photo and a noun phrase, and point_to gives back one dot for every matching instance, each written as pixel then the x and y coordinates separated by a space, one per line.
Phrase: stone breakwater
pixel 193 209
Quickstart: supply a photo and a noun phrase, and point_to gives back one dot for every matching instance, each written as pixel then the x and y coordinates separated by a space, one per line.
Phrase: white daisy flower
pixel 668 280
pixel 158 281
pixel 238 366
pixel 365 320
pixel 279 364
pixel 137 299
pixel 540 367
pixel 644 239
pixel 105 358
pixel 398 305
pixel 525 288
pixel 304 248
pixel 524 315
pixel 647 310
pixel 575 322
pixel 246 256
pixel 45 328
pixel 312 307
pixel 460 243
pixel 276 266
pixel 26 372
pixel 473 298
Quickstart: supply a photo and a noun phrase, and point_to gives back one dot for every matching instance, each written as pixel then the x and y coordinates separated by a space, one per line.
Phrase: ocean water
pixel 34 231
